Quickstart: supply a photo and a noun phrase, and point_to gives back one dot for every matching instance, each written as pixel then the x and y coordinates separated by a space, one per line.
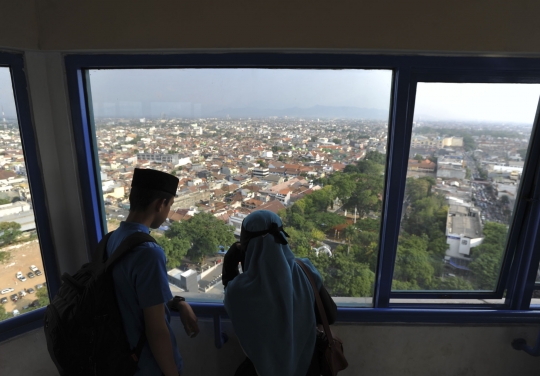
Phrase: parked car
pixel 33 268
pixel 22 293
pixel 38 272
pixel 21 276
pixel 16 312
pixel 30 275
pixel 5 291
pixel 3 300
pixel 14 297
pixel 35 303
pixel 30 290
pixel 40 286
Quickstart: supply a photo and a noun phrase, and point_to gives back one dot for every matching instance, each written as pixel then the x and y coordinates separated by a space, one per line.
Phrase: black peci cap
pixel 155 180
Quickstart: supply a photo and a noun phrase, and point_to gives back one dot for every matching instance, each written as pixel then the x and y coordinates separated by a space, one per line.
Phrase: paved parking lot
pixel 22 256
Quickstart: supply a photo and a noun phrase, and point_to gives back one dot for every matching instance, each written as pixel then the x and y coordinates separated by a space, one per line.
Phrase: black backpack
pixel 83 324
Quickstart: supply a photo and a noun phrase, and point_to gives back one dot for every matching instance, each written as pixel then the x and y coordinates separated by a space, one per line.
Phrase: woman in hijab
pixel 271 304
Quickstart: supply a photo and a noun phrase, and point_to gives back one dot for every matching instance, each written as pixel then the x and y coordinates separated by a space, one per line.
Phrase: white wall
pixel 485 26
pixel 372 350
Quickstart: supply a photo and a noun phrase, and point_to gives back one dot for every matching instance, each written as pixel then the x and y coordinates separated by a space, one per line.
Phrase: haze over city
pixel 260 93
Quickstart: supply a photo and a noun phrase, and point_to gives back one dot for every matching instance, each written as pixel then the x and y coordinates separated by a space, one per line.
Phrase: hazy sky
pixel 514 103
pixel 6 94
pixel 239 88
pixel 286 88
pixel 153 91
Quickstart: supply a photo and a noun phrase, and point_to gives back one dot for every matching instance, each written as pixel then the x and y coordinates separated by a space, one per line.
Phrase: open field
pixel 22 256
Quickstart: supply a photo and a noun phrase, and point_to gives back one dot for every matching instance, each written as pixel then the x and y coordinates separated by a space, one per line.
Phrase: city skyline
pixel 310 94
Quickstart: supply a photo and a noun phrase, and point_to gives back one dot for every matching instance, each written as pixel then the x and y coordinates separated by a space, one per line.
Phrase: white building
pixel 463 232
pixel 14 208
pixel 236 221
pixel 260 172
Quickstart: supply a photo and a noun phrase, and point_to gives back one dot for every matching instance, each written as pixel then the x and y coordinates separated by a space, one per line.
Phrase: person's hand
pixel 188 319
pixel 230 263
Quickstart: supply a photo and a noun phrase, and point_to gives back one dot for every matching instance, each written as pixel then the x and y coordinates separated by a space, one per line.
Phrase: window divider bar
pixel 521 283
pixel 34 172
pixel 399 137
pixel 85 157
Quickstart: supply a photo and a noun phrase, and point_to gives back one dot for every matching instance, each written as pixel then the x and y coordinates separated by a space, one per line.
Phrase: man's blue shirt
pixel 140 279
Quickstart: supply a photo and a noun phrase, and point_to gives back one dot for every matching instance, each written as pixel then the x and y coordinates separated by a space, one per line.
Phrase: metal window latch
pixel 521 344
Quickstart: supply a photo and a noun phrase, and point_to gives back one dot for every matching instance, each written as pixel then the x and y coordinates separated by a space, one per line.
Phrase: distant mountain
pixel 325 112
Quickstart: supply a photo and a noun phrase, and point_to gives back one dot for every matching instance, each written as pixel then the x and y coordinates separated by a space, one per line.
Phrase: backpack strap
pixel 127 244
pixel 101 251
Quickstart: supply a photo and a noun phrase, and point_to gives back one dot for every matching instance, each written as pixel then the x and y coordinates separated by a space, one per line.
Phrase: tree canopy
pixel 9 232
pixel 198 237
pixel 487 257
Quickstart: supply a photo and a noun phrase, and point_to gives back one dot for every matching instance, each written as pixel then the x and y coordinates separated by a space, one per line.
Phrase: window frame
pixel 407 71
pixel 34 319
pixel 460 75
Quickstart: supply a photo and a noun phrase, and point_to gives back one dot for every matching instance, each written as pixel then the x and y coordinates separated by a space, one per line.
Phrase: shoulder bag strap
pixel 130 242
pixel 320 307
pixel 101 251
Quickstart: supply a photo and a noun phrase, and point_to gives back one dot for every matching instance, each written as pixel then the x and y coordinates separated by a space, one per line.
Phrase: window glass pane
pixel 468 148
pixel 307 144
pixel 22 280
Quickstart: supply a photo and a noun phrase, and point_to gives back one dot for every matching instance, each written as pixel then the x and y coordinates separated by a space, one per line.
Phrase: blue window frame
pixel 517 278
pixel 34 319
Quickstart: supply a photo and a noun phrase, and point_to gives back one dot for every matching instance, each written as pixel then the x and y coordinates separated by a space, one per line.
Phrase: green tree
pixel 175 249
pixel 320 200
pixel 487 257
pixel 9 231
pixel 343 184
pixel 369 167
pixel 3 314
pixel 369 224
pixel 298 242
pixel 343 276
pixel 413 261
pixel 453 283
pixel 419 157
pixel 43 297
pixel 204 233
pixel 417 189
pixel 4 201
pixel 336 141
pixel 350 169
pixel 4 256
pixel 468 143
pixel 403 285
pixel 376 157
pixel 325 220
pixel 365 248
pixel 367 194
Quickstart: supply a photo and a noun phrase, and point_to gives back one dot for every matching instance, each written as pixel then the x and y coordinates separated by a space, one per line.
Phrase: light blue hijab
pixel 271 304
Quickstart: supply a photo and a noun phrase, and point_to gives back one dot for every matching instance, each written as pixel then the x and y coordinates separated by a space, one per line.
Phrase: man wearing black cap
pixel 141 283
